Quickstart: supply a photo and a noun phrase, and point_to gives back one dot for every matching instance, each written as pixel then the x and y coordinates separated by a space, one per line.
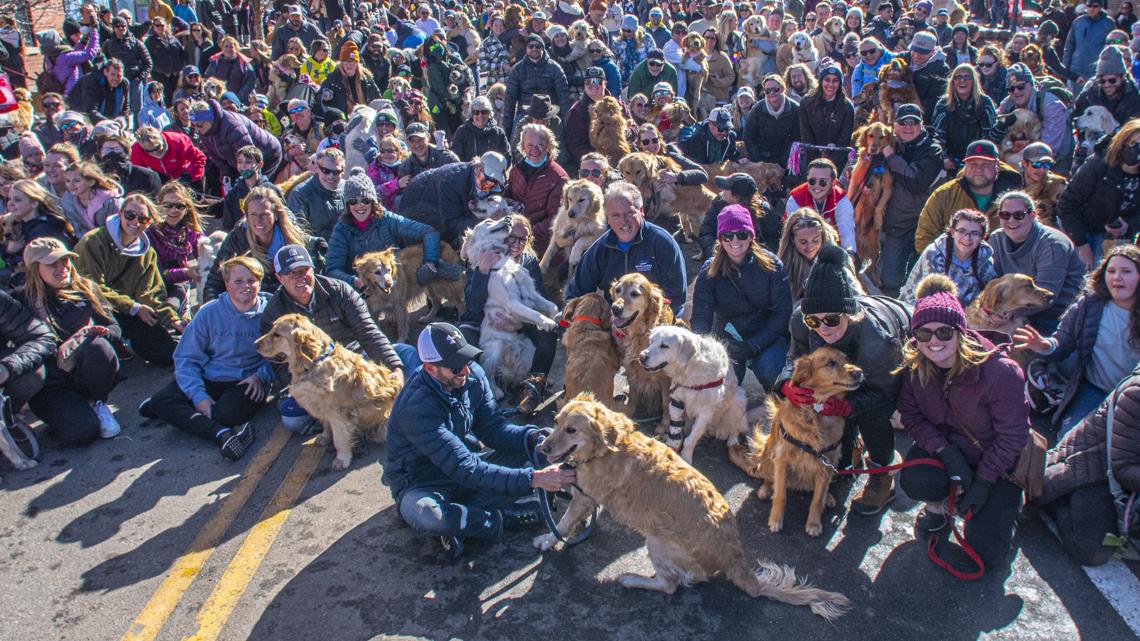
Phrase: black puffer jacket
pixel 335 90
pixel 528 78
pixel 823 123
pixel 769 138
pixel 1092 198
pixel 439 197
pixel 27 341
pixel 956 128
pixel 701 147
pixel 1077 334
pixel 470 141
pixel 914 167
pixel 135 57
pixel 757 302
pixel 168 55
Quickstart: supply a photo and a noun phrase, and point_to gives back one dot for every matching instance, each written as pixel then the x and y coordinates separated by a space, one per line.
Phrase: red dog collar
pixel 589 319
pixel 717 383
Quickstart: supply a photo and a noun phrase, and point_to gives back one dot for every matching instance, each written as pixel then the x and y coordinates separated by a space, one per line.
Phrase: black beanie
pixel 828 289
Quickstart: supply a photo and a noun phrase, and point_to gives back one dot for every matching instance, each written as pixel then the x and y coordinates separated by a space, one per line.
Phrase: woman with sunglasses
pixel 366 226
pixel 964 114
pixel 872 57
pixel 1102 328
pixel 991 64
pixel 73 402
pixel 638 110
pixel 91 199
pixel 956 404
pixel 722 74
pixel 631 47
pixel 480 133
pixel 961 254
pixel 745 289
pixel 869 330
pixel 650 140
pixel 175 240
pixel 120 260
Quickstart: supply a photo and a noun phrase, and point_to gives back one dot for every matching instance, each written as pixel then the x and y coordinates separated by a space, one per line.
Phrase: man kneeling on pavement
pixel 456 468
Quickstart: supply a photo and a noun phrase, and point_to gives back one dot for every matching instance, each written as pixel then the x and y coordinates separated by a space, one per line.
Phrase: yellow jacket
pixel 317 71
pixel 952 196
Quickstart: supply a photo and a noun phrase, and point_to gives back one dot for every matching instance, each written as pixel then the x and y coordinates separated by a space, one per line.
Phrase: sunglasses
pixel 986 65
pixel 663 92
pixel 1108 81
pixel 649 141
pixel 655 63
pixel 52 105
pixel 297 110
pixel 68 125
pixel 924 334
pixel 481 112
pixel 529 47
pixel 594 51
pixel 359 201
pixel 174 206
pixel 822 182
pixel 586 173
pixel 330 172
pixel 134 215
pixel 768 91
pixel 1019 88
pixel 1041 164
pixel 597 82
pixel 962 78
pixel 1115 41
pixel 735 235
pixel 1016 215
pixel 831 320
pixel 387 150
pixel 868 52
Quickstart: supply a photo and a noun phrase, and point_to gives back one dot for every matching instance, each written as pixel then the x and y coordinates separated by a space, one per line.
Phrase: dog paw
pixel 814 529
pixel 545 542
pixel 630 580
pixel 764 492
pixel 775 525
pixel 341 462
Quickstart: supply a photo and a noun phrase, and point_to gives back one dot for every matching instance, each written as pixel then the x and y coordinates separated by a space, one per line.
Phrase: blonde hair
pixel 542 131
pixel 970 351
pixel 796 265
pixel 193 209
pixel 951 96
pixel 37 294
pixel 519 219
pixel 281 220
pixel 1120 140
pixel 150 210
pixel 401 150
pixel 249 262
pixel 45 202
pixel 149 135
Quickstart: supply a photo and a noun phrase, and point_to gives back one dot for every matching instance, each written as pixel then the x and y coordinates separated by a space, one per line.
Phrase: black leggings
pixel 153 343
pixel 990 531
pixel 1083 518
pixel 231 408
pixel 64 404
pixel 874 425
pixel 545 346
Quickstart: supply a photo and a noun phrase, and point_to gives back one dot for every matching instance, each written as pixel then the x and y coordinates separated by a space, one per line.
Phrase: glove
pixel 367 147
pixel 797 396
pixel 425 274
pixel 836 406
pixel 448 270
pixel 956 466
pixel 738 351
pixel 975 497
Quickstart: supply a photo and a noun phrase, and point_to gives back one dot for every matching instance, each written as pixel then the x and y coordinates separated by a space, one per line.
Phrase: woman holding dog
pixel 961 254
pixel 965 114
pixel 175 240
pixel 955 404
pixel 745 288
pixel 366 226
pixel 1103 328
pixel 870 331
pixel 827 117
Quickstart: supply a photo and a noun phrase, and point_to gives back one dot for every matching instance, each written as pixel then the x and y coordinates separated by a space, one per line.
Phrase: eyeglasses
pixel 649 141
pixel 352 202
pixel 831 320
pixel 851 55
pixel 534 46
pixel 593 51
pixel 298 109
pixel 174 205
pixel 586 173
pixel 1016 215
pixel 822 182
pixel 1041 164
pixel 1115 41
pixel 962 78
pixel 1108 81
pixel 768 91
pixel 52 105
pixel 1018 88
pixel 328 171
pixel 517 240
pixel 966 233
pixel 735 235
pixel 481 112
pixel 924 334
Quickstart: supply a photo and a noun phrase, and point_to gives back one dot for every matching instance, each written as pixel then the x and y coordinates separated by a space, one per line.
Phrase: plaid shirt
pixel 493 58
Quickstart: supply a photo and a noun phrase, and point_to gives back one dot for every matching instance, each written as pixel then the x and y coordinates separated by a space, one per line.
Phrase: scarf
pixel 777 112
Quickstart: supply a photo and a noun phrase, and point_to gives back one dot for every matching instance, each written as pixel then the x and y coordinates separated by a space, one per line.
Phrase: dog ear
pixel 802 370
pixel 309 344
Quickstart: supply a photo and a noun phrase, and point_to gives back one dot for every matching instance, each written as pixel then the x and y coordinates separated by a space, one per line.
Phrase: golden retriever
pixel 579 34
pixel 827 41
pixel 695 66
pixel 690 531
pixel 671 119
pixel 12 229
pixel 580 221
pixel 390 286
pixel 804 51
pixel 637 307
pixel 1026 129
pixel 703 387
pixel 350 395
pixel 896 87
pixel 871 188
pixel 1005 302
pixel 591 355
pixel 607 129
pixel 779 462
pixel 688 202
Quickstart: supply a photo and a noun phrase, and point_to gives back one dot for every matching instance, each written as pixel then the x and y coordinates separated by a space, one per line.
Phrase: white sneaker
pixel 108 426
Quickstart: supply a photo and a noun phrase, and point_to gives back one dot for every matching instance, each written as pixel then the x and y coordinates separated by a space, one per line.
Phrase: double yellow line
pixel 215 612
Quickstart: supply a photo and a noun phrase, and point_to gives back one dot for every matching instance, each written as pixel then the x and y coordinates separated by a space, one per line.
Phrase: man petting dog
pixel 442 485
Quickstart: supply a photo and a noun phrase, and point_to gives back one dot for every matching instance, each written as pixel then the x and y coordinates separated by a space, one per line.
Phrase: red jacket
pixel 989 399
pixel 540 196
pixel 182 157
pixel 804 198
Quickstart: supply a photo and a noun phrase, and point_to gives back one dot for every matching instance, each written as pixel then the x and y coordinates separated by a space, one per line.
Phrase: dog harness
pixel 820 455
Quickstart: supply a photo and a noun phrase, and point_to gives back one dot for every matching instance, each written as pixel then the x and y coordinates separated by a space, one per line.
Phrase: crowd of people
pixel 156 128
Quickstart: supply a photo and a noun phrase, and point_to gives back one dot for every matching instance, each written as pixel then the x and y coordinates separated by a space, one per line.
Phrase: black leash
pixel 820 455
pixel 544 506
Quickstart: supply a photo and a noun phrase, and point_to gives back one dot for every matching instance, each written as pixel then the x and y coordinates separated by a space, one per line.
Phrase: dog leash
pixel 544 507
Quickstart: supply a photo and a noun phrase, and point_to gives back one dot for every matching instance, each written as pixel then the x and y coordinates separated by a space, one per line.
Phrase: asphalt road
pixel 153 535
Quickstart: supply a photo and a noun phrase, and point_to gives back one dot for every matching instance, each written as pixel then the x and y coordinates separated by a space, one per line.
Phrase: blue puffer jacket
pixel 1084 43
pixel 654 253
pixel 390 230
pixel 757 302
pixel 427 430
pixel 865 74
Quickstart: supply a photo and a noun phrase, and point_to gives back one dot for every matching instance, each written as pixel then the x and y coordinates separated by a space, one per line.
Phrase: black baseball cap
pixel 981 150
pixel 908 111
pixel 740 184
pixel 443 344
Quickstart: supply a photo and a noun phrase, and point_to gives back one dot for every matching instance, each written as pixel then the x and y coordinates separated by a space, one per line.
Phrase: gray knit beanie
pixel 358 186
pixel 1111 62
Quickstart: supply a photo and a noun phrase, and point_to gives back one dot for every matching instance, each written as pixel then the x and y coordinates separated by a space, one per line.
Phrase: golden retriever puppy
pixel 607 129
pixel 688 202
pixel 779 458
pixel 896 87
pixel 579 34
pixel 390 286
pixel 871 188
pixel 690 531
pixel 703 387
pixel 1026 129
pixel 638 306
pixel 591 355
pixel 580 221
pixel 350 395
pixel 671 119
pixel 1005 302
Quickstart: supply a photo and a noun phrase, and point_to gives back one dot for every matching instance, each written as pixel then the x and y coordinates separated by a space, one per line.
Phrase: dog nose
pixel 545 447
pixel 857 377
pixel 615 310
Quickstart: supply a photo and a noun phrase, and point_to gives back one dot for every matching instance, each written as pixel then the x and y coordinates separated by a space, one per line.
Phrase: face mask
pixel 532 163
pixel 246 174
pixel 1130 155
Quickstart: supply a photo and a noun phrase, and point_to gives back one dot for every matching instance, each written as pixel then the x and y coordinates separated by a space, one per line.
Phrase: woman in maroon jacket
pixel 961 402
pixel 537 181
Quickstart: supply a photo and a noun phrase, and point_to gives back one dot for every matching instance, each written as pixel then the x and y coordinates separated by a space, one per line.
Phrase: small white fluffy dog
pixel 804 51
pixel 511 301
pixel 208 247
pixel 703 384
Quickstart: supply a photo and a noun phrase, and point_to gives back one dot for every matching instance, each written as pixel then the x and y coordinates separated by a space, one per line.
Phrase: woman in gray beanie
pixel 366 226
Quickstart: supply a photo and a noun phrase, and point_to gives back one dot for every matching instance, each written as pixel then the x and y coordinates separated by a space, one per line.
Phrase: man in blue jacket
pixel 1085 41
pixel 442 485
pixel 631 244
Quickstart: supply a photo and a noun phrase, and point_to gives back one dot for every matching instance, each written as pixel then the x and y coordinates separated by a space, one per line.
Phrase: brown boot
pixel 877 493
pixel 533 393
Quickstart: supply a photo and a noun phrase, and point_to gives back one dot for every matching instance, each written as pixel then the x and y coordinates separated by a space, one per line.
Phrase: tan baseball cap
pixel 46 250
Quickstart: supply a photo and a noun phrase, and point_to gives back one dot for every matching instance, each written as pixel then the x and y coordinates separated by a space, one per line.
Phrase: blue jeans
pixel 1096 242
pixel 766 366
pixel 1085 401
pixel 896 258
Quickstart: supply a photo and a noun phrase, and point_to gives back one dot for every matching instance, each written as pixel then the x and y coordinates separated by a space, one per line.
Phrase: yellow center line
pixel 158 609
pixel 233 583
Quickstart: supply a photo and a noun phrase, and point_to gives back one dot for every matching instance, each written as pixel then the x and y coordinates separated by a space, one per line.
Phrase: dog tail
pixel 749 455
pixel 779 583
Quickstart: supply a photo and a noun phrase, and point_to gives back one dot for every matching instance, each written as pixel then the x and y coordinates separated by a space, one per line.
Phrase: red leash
pixel 933 540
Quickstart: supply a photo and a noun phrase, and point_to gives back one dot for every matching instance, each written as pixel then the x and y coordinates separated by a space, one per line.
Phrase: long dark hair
pixel 1096 286
pixel 970 216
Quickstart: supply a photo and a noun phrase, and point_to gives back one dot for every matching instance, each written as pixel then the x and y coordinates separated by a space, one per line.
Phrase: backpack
pixel 1055 87
pixel 47 83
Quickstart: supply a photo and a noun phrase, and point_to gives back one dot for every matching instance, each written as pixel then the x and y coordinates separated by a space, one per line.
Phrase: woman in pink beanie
pixel 962 402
